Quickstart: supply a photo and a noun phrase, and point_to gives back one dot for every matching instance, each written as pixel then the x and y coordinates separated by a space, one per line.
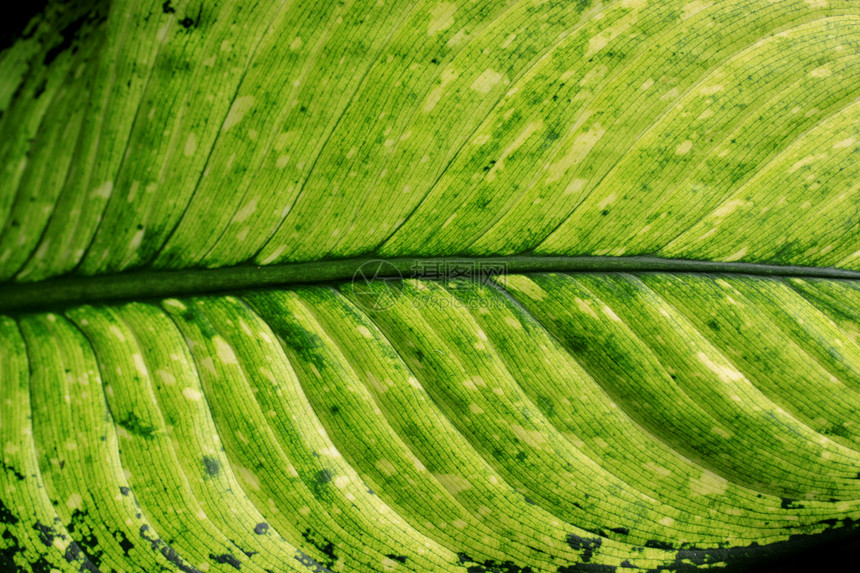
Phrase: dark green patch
pixel 545 405
pixel 587 568
pixel 166 551
pixel 322 544
pixel 320 482
pixel 587 545
pixel 8 553
pixel 226 559
pixel 124 542
pixel 788 503
pixel 576 344
pixel 189 22
pixel 306 345
pixel 153 541
pixel 311 563
pixel 654 544
pixel 491 565
pixel 211 465
pixel 837 429
pixel 75 553
pixel 6 516
pixel 398 558
pixel 134 425
pixel 80 530
pixel 169 554
pixel 18 475
pixel 47 534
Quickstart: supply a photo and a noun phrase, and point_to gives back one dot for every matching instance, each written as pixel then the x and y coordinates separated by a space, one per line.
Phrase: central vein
pixel 144 284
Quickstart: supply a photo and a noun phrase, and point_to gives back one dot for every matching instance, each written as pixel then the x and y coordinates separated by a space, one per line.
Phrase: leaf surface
pixel 468 286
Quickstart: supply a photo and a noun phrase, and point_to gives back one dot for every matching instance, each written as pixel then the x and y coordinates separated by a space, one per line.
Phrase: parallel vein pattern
pixel 520 423
pixel 207 134
pixel 543 422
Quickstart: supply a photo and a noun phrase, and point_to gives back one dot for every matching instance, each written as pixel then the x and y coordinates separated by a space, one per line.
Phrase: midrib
pixel 148 284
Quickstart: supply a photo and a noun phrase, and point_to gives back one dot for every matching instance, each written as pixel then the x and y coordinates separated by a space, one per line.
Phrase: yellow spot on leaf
pixel 192 394
pixel 533 438
pixel 386 467
pixel 684 148
pixel 341 481
pixel 441 17
pixel 190 144
pixel 245 212
pixel 844 143
pixel 453 483
pixel 723 371
pixel 74 502
pixel 654 468
pixel 693 8
pixel 709 484
pixel 448 76
pixel 737 255
pixel 486 81
pixel 237 111
pixel 821 72
pixel 580 147
pixel 224 350
pixel 249 478
pixel 526 286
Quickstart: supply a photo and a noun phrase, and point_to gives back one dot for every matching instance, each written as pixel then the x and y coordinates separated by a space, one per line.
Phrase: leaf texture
pixel 164 138
pixel 484 421
pixel 534 425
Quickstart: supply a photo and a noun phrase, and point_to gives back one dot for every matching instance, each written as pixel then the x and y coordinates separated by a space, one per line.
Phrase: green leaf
pixel 467 286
